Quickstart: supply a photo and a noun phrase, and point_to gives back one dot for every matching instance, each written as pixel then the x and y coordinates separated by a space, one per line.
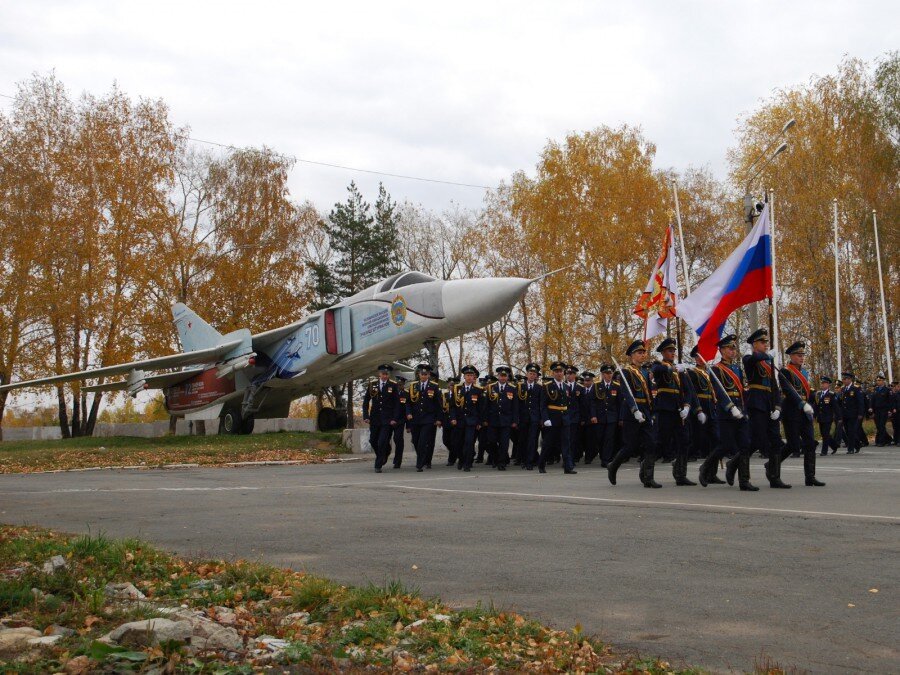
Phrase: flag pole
pixel 837 286
pixel 684 269
pixel 887 344
pixel 773 302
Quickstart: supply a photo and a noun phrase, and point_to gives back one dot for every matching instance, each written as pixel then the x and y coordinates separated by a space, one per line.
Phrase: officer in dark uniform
pixel 452 435
pixel 424 413
pixel 638 432
pixel 852 411
pixel 516 436
pixel 704 430
pixel 798 413
pixel 590 403
pixel 399 434
pixel 502 414
pixel 557 397
pixel 880 410
pixel 827 412
pixel 573 414
pixel 382 412
pixel 731 414
pixel 764 403
pixel 468 413
pixel 485 435
pixel 672 407
pixel 530 409
pixel 608 393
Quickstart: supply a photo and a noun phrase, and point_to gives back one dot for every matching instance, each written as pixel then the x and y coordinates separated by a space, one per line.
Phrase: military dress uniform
pixel 557 397
pixel 530 410
pixel 381 409
pixel 852 412
pixel 502 416
pixel 590 421
pixel 573 414
pixel 672 407
pixel 797 418
pixel 424 412
pixel 764 404
pixel 881 407
pixel 451 434
pixel 704 429
pixel 827 411
pixel 399 435
pixel 639 437
pixel 733 425
pixel 608 395
pixel 468 413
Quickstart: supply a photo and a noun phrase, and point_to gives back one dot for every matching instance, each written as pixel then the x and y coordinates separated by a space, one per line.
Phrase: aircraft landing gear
pixel 231 422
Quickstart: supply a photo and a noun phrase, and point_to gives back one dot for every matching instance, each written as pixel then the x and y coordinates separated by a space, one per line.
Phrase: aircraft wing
pixel 162 362
pixel 262 340
pixel 153 382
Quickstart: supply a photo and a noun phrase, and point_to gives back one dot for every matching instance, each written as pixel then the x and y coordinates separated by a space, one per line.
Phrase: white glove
pixel 735 413
pixel 548 423
pixel 775 415
pixel 684 412
pixel 682 367
pixel 639 416
pixel 701 417
pixel 808 409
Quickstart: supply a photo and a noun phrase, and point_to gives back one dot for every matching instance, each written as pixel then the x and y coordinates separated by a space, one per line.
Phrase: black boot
pixel 731 468
pixel 684 482
pixel 704 481
pixel 778 483
pixel 715 480
pixel 812 482
pixel 748 487
pixel 652 484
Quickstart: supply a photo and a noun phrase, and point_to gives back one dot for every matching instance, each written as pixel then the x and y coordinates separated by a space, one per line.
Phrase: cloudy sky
pixel 463 91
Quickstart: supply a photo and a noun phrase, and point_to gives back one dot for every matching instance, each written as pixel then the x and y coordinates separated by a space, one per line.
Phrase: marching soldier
pixel 557 398
pixel 638 431
pixel 733 425
pixel 852 411
pixel 381 411
pixel 530 409
pixel 704 431
pixel 485 435
pixel 607 410
pixel 672 406
pixel 516 436
pixel 590 404
pixel 424 412
pixel 798 413
pixel 880 410
pixel 764 403
pixel 827 412
pixel 400 428
pixel 503 414
pixel 468 414
pixel 451 434
pixel 573 414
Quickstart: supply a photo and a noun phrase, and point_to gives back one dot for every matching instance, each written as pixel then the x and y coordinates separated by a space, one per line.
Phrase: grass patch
pixel 385 627
pixel 77 453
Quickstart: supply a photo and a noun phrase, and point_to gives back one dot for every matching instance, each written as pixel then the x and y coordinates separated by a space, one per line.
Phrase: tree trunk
pixel 91 420
pixel 63 415
pixel 350 424
pixel 172 422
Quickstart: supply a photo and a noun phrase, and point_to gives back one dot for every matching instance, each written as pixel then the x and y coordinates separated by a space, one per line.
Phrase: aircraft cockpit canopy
pixel 402 279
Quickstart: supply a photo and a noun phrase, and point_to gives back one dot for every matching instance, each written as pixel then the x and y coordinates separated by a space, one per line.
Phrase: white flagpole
pixel 887 344
pixel 775 343
pixel 837 288
pixel 684 265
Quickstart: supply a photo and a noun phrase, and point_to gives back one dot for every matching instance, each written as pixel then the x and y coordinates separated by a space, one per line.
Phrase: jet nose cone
pixel 470 304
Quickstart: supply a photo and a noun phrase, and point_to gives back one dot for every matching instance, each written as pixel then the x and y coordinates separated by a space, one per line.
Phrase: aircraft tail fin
pixel 193 332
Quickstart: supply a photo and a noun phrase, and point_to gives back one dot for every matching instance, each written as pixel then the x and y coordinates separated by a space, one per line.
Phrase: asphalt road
pixel 711 577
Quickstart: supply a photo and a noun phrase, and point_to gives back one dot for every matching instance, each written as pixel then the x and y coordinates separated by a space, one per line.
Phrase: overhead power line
pixel 343 167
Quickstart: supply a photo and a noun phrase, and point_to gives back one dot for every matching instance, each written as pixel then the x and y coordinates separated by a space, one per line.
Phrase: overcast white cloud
pixel 468 91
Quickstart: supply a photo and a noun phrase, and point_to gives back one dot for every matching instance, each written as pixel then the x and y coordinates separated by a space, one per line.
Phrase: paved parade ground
pixel 710 577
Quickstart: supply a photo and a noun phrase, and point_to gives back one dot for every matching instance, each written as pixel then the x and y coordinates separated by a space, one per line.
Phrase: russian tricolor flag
pixel 745 277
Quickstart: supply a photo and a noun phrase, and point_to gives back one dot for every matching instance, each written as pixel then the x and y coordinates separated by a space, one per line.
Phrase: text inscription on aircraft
pixel 373 323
